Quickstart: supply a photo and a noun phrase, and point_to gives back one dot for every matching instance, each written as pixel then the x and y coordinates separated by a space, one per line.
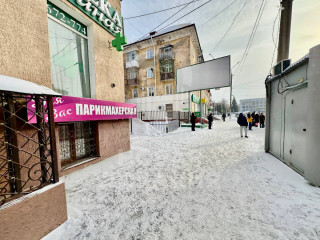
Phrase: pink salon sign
pixel 74 109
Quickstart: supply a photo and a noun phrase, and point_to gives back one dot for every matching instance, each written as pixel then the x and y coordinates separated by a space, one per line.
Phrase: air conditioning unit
pixel 281 66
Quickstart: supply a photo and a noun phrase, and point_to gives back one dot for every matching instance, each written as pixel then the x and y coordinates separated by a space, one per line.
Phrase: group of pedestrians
pixel 252 120
pixel 193 119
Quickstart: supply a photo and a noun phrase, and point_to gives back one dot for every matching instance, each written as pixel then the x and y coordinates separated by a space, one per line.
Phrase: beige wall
pixel 34 216
pixel 24 41
pixel 24 47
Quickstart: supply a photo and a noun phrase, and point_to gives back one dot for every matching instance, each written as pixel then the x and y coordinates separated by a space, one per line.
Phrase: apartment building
pixel 150 70
pixel 253 105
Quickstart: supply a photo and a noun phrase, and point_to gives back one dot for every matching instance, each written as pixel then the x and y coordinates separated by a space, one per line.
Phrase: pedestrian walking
pixel 224 117
pixel 242 121
pixel 262 119
pixel 210 120
pixel 249 118
pixel 193 122
pixel 256 119
pixel 253 114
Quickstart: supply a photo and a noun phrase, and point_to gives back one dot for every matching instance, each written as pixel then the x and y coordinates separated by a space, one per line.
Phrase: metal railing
pixel 133 82
pixel 166 56
pixel 167 76
pixel 28 159
pixel 164 121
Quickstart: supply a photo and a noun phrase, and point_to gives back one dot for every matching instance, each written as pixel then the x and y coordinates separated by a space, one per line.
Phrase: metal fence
pixel 164 121
pixel 28 158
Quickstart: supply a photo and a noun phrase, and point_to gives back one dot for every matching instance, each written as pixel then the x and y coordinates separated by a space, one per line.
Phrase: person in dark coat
pixel 224 117
pixel 242 121
pixel 210 120
pixel 193 122
pixel 253 114
pixel 257 119
pixel 262 119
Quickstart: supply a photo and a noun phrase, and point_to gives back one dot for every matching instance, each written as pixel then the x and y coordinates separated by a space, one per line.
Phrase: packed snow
pixel 140 128
pixel 207 184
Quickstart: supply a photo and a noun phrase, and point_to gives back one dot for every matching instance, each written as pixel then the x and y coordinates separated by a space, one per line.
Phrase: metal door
pixel 294 146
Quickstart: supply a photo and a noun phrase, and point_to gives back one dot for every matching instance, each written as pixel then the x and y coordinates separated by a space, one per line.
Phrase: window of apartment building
pixel 135 93
pixel 167 67
pixel 131 56
pixel 150 91
pixel 76 141
pixel 149 73
pixel 167 49
pixel 169 89
pixel 131 73
pixel 69 60
pixel 149 54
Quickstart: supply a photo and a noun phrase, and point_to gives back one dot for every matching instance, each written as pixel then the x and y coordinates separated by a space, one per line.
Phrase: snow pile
pixel 141 128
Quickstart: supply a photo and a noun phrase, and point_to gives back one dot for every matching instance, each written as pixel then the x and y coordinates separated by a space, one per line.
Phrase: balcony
pixel 166 56
pixel 133 82
pixel 132 64
pixel 167 76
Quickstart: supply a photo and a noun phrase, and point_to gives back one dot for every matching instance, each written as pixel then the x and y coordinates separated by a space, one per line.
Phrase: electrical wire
pixel 254 30
pixel 229 28
pixel 147 14
pixel 165 21
pixel 274 42
pixel 186 14
pixel 218 13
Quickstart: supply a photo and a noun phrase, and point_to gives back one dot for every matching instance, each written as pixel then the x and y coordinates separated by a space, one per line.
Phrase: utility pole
pixel 285 27
pixel 154 63
pixel 283 53
pixel 230 96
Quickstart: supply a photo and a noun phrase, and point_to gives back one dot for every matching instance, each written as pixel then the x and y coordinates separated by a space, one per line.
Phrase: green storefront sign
pixel 197 114
pixel 195 99
pixel 102 13
pixel 66 19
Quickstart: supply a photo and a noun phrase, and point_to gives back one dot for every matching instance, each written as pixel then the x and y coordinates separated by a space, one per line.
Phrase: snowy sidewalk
pixel 191 185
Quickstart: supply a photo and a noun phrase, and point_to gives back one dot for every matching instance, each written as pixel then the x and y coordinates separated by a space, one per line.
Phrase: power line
pixel 185 15
pixel 147 14
pixel 229 27
pixel 274 42
pixel 166 20
pixel 254 30
pixel 218 13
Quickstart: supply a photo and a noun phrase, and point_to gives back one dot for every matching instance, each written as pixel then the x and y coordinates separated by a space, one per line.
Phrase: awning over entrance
pixel 11 84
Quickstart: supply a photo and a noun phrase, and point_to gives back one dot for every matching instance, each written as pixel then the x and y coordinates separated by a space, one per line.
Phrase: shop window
pixel 169 89
pixel 135 93
pixel 69 61
pixel 150 91
pixel 149 73
pixel 149 54
pixel 76 142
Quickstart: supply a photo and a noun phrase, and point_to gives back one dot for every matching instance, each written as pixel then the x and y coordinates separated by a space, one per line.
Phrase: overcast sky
pixel 248 81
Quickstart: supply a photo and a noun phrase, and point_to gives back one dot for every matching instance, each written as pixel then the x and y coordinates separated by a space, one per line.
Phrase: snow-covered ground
pixel 207 184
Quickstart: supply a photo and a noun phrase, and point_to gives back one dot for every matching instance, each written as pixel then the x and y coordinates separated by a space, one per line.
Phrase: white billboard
pixel 211 74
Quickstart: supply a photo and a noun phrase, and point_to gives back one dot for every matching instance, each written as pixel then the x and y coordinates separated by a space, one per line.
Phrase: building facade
pixel 292 117
pixel 253 105
pixel 65 45
pixel 150 70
